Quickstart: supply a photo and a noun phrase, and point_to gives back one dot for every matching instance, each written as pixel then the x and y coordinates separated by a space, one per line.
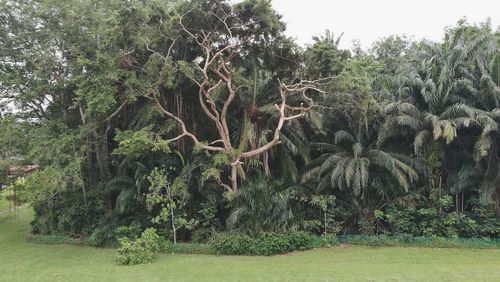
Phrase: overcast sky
pixel 370 20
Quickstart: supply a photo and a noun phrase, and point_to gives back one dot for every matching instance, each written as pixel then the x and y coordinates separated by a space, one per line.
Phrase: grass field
pixel 20 261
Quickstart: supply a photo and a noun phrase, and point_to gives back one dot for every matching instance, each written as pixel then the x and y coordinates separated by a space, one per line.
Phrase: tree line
pixel 197 117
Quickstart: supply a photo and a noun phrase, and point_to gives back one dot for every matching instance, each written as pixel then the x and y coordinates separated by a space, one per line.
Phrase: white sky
pixel 370 20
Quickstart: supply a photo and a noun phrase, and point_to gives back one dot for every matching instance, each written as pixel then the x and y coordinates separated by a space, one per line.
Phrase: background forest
pixel 200 117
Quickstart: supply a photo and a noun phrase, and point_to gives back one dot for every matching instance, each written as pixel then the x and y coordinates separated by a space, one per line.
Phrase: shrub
pixel 273 243
pixel 233 244
pixel 132 231
pixel 132 252
pixel 208 223
pixel 151 240
pixel 141 250
pixel 103 236
pixel 71 219
pixel 266 244
pixel 300 240
pixel 324 241
pixel 201 235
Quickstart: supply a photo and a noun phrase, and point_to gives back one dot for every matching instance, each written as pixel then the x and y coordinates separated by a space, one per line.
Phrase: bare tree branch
pixel 184 131
pixel 216 62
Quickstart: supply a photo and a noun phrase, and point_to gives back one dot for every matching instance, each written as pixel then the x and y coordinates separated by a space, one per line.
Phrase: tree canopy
pixel 196 117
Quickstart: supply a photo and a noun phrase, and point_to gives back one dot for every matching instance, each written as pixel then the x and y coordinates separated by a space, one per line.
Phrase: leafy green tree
pixel 324 58
pixel 325 203
pixel 391 51
pixel 12 146
pixel 217 51
pixel 171 197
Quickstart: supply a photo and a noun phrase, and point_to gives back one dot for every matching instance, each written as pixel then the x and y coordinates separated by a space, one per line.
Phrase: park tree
pixel 171 196
pixel 216 74
pixel 324 58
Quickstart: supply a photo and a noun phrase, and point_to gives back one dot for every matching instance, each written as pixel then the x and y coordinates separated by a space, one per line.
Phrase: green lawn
pixel 20 261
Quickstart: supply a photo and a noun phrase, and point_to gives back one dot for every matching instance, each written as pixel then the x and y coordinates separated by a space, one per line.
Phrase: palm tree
pixel 486 150
pixel 351 163
pixel 129 184
pixel 366 176
pixel 405 118
pixel 259 207
pixel 447 89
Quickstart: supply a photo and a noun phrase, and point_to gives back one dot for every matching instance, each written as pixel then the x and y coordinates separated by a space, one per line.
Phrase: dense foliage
pixel 200 117
pixel 141 250
pixel 267 244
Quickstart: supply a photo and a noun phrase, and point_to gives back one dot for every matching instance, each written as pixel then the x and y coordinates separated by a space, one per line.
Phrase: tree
pixel 442 97
pixel 391 51
pixel 171 197
pixel 260 207
pixel 347 164
pixel 214 74
pixel 325 203
pixel 366 176
pixel 324 58
pixel 12 146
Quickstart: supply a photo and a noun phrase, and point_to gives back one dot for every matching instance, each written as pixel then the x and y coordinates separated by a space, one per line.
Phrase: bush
pixel 71 219
pixel 273 243
pixel 102 236
pixel 266 244
pixel 324 241
pixel 132 231
pixel 151 240
pixel 133 252
pixel 300 240
pixel 201 235
pixel 142 250
pixel 233 244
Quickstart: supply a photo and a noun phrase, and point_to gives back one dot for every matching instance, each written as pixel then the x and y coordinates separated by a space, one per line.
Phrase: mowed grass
pixel 21 261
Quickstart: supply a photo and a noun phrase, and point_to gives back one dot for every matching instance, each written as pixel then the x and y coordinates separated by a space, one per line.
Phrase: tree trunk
pixel 193 119
pixel 15 196
pixel 440 208
pixel 101 152
pixel 173 225
pixel 325 220
pixel 234 177
pixel 265 161
pixel 462 204
pixel 180 142
pixel 98 154
pixel 84 196
pixel 83 188
pixel 496 199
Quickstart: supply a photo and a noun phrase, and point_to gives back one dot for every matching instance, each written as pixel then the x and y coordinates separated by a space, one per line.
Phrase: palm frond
pixel 342 136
